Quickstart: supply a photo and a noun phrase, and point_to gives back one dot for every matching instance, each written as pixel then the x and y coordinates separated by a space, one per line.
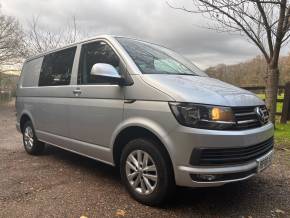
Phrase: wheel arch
pixel 138 130
pixel 23 119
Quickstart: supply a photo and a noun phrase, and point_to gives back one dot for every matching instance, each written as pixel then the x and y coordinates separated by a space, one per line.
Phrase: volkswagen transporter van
pixel 145 109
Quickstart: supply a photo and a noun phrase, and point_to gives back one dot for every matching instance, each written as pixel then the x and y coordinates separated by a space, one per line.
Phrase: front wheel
pixel 146 172
pixel 30 142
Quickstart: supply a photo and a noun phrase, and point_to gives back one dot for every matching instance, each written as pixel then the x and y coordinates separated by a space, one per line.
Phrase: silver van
pixel 145 109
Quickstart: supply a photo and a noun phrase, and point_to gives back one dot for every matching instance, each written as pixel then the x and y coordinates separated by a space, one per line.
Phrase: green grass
pixel 282 131
pixel 279 104
pixel 282 135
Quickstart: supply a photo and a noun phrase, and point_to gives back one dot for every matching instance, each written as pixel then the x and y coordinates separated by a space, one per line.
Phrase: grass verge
pixel 282 135
pixel 282 131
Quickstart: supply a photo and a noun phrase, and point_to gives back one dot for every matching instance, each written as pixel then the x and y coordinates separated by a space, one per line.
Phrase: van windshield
pixel 154 59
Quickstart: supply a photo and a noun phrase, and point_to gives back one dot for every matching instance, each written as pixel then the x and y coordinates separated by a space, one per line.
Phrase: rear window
pixel 56 68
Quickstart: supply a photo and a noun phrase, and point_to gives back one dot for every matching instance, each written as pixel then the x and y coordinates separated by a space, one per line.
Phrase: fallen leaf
pixel 120 213
pixel 83 217
pixel 279 211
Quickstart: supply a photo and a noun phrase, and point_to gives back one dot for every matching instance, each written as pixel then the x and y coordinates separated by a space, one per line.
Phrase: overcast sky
pixel 151 20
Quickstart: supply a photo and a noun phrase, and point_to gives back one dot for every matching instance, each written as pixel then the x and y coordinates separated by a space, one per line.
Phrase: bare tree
pixel 40 39
pixel 12 48
pixel 265 23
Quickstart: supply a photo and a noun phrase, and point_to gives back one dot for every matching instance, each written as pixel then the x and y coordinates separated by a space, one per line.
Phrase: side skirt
pixel 99 153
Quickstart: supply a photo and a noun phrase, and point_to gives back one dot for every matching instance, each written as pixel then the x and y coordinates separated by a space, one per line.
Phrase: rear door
pixel 97 106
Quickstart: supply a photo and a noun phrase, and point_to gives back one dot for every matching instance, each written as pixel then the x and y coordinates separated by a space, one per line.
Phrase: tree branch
pixel 267 27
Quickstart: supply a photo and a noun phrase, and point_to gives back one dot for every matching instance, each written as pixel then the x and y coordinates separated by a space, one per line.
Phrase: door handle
pixel 77 91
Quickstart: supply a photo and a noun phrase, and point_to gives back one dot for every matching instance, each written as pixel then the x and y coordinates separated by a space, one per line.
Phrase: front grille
pixel 222 156
pixel 247 118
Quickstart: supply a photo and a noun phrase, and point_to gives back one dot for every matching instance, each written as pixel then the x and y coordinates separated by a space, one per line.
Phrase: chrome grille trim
pixel 247 121
pixel 244 114
pixel 247 118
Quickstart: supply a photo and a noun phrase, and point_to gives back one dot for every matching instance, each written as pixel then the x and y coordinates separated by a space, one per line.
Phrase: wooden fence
pixel 285 114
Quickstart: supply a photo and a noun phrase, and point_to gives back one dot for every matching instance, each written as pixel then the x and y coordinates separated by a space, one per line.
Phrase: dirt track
pixel 61 184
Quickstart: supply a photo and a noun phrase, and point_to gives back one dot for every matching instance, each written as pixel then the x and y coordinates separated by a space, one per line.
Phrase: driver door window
pixel 93 53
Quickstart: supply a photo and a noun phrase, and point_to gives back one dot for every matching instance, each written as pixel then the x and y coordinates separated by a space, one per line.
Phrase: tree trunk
pixel 271 91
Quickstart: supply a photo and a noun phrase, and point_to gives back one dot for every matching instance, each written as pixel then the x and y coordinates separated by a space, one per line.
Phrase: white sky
pixel 151 20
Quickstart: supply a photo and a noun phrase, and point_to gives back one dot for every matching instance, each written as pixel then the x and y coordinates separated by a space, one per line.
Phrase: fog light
pixel 207 177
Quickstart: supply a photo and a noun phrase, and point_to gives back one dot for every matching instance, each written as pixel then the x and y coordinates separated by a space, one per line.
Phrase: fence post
pixel 286 104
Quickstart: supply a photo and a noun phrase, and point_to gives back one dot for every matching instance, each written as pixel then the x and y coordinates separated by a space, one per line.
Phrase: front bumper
pixel 227 173
pixel 184 140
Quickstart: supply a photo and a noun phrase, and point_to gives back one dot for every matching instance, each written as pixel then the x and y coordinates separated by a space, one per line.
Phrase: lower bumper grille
pixel 226 156
pixel 224 177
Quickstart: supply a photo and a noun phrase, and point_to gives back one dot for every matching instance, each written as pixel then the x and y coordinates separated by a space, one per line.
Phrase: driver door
pixel 97 106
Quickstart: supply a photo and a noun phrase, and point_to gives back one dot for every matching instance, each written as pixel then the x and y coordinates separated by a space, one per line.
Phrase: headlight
pixel 203 116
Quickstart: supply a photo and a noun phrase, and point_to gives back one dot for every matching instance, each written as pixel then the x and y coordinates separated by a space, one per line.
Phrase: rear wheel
pixel 30 142
pixel 146 172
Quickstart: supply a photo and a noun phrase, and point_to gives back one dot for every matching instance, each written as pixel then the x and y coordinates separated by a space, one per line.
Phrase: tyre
pixel 146 172
pixel 30 142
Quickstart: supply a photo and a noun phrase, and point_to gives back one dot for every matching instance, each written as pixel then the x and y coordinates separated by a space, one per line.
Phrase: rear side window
pixel 57 67
pixel 30 72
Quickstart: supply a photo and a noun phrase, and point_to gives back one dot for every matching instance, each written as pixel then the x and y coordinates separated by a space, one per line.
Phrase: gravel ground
pixel 62 184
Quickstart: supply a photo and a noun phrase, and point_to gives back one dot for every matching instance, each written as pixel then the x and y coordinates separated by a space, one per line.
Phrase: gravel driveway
pixel 62 184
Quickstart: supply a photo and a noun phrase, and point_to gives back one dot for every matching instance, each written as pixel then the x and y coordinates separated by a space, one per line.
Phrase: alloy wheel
pixel 28 137
pixel 141 172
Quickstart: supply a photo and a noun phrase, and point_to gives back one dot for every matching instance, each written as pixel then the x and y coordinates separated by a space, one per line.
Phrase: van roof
pixel 103 36
pixel 69 45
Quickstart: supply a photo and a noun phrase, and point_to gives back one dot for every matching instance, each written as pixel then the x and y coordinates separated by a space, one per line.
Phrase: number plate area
pixel 265 161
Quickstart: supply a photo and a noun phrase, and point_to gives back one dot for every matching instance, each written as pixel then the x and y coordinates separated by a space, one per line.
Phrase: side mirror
pixel 107 71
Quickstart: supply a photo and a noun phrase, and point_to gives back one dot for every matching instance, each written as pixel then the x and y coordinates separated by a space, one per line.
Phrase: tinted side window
pixel 57 67
pixel 92 53
pixel 30 72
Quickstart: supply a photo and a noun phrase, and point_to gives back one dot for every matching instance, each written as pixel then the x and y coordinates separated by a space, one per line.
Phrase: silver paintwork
pixel 141 172
pixel 86 119
pixel 204 90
